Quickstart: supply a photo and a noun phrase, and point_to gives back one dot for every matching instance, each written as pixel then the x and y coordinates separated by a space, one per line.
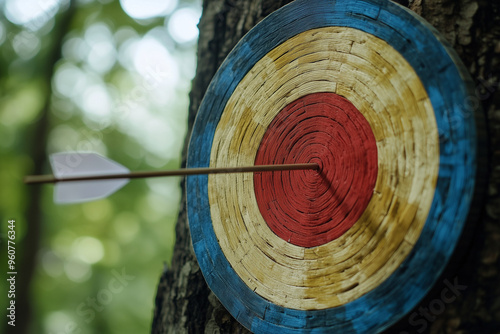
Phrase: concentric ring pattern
pixel 311 208
pixel 364 75
pixel 344 269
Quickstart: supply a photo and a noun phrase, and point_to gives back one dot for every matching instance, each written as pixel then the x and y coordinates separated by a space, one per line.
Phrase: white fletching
pixel 74 164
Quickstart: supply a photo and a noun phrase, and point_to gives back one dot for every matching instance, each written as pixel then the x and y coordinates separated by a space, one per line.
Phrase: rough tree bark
pixel 184 304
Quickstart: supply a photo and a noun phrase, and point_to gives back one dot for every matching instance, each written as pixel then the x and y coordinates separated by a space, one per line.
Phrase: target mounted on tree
pixel 349 142
pixel 370 93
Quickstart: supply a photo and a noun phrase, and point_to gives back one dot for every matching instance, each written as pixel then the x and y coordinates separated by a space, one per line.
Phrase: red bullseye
pixel 311 208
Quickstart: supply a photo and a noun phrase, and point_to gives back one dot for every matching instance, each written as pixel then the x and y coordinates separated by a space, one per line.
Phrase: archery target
pixel 363 89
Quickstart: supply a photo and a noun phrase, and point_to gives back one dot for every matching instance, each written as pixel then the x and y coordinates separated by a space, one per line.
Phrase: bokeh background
pixel 104 76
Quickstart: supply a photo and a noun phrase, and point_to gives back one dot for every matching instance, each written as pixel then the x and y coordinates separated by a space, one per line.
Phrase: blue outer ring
pixel 449 88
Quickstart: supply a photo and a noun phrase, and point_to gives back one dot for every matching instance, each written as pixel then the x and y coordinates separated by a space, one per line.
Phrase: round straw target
pixel 370 93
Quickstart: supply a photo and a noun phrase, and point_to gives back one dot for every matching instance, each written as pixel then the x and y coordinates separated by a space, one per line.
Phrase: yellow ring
pixel 386 90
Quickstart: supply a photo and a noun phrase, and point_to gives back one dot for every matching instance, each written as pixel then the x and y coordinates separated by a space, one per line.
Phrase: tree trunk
pixel 184 304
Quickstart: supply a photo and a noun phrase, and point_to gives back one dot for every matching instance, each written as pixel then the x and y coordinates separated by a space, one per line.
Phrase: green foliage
pixel 120 88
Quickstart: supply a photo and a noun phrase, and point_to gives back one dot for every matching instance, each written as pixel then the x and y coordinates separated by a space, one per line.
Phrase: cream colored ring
pixel 385 89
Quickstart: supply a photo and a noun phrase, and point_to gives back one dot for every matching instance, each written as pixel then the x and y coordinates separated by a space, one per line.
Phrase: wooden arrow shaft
pixel 38 179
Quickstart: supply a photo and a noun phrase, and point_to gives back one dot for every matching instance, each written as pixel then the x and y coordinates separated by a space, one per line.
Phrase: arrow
pixel 104 176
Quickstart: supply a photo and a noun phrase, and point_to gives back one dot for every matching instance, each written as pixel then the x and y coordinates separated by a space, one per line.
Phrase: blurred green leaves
pixel 120 88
